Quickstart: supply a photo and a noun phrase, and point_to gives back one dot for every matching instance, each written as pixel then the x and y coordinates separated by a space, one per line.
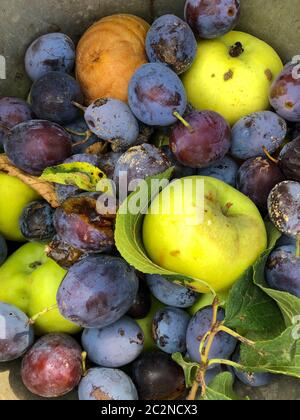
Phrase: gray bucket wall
pixel 275 21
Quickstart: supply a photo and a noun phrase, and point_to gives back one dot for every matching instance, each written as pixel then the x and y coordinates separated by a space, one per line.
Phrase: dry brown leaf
pixel 44 188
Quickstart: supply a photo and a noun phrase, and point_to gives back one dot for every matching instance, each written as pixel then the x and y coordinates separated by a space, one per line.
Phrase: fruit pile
pixel 162 306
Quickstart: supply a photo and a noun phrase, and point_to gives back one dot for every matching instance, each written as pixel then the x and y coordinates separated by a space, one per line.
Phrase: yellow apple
pixel 231 81
pixel 14 196
pixel 214 239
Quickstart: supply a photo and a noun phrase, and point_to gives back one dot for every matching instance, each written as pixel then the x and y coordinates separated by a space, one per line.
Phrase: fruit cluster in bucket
pixel 130 102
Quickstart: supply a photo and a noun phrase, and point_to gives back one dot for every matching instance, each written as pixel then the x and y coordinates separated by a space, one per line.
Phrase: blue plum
pixel 180 171
pixel 80 126
pixel 171 294
pixel 13 111
pixel 36 222
pixel 102 384
pixel 52 98
pixel 35 145
pixel 97 291
pixel 113 121
pixel 3 250
pixel 16 335
pixel 283 270
pixel 116 345
pixel 256 178
pixel 257 131
pixel 50 52
pixel 155 94
pixel 212 18
pixel 171 41
pixel 254 380
pixel 169 328
pixel 225 170
pixel 138 163
pixel 223 346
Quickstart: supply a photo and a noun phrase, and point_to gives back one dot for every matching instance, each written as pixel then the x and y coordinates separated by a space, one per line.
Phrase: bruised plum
pixel 53 366
pixel 78 223
pixel 62 253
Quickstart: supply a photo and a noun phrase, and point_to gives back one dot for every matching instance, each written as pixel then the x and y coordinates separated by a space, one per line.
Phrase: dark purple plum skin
pixel 157 377
pixel 78 223
pixel 13 111
pixel 50 52
pixel 212 18
pixel 285 94
pixel 52 98
pixel 256 178
pixel 35 145
pixel 155 92
pixel 284 207
pixel 97 291
pixel 36 222
pixel 283 270
pixel 53 366
pixel 289 160
pixel 143 302
pixel 209 142
pixel 171 41
pixel 16 335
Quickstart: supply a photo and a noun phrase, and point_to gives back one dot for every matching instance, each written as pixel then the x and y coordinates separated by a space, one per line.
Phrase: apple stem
pixel 184 122
pixel 269 156
pixel 227 208
pixel 84 357
pixel 33 320
pixel 298 246
pixel 83 108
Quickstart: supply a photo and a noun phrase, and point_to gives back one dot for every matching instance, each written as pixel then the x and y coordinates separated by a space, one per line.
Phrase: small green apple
pixel 14 196
pixel 146 324
pixel 232 75
pixel 214 239
pixel 207 299
pixel 30 280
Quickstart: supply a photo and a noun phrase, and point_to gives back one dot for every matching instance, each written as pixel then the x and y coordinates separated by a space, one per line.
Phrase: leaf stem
pixel 243 340
pixel 226 363
pixel 193 393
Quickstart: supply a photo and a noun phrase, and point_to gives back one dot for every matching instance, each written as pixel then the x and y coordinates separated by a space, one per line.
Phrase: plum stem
pixel 83 108
pixel 269 156
pixel 298 246
pixel 184 122
pixel 84 357
pixel 33 319
pixel 86 134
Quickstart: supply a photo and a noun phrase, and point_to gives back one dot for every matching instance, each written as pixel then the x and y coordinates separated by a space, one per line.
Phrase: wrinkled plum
pixel 204 142
pixel 114 346
pixel 157 377
pixel 36 222
pixel 13 111
pixel 52 96
pixel 285 93
pixel 283 270
pixel 255 132
pixel 155 94
pixel 171 41
pixel 97 291
pixel 35 145
pixel 169 327
pixel 284 207
pixel 289 160
pixel 225 170
pixel 256 178
pixel 16 335
pixel 78 223
pixel 50 52
pixel 212 18
pixel 62 253
pixel 113 121
pixel 107 384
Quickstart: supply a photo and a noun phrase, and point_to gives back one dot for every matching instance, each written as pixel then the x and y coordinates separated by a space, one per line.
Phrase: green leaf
pixel 128 233
pixel 279 356
pixel 221 389
pixel 189 368
pixel 79 174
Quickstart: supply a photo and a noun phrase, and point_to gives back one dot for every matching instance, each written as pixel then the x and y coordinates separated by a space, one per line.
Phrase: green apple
pixel 232 75
pixel 146 324
pixel 30 280
pixel 207 299
pixel 14 196
pixel 217 234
